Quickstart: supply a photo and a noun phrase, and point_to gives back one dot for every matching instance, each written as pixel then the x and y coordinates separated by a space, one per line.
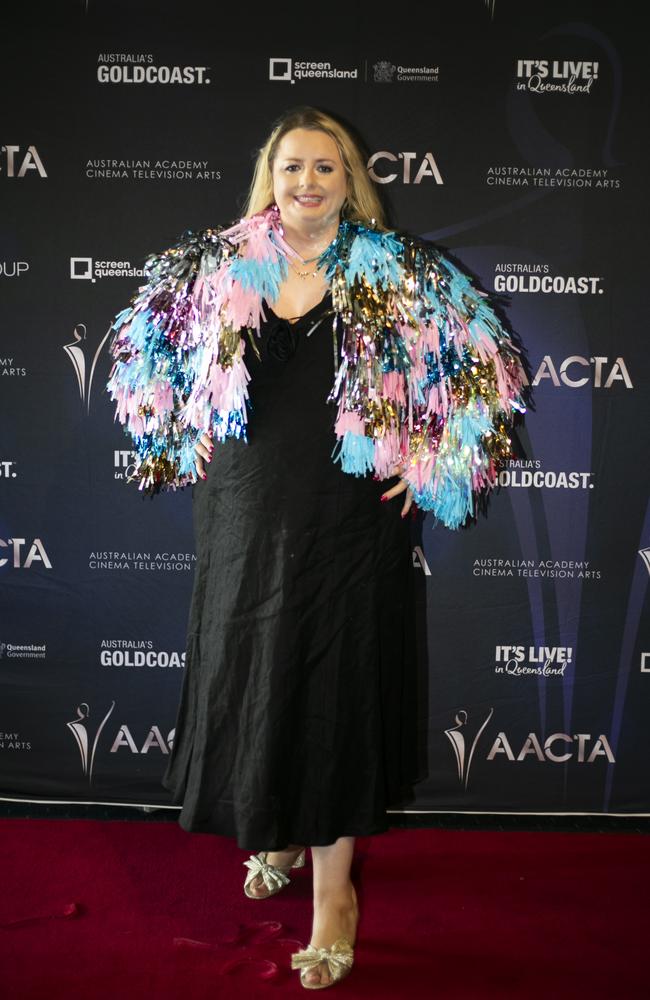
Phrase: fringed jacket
pixel 427 378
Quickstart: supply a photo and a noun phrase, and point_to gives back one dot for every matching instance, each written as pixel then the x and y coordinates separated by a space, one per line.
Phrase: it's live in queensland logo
pixel 553 76
pixel 536 661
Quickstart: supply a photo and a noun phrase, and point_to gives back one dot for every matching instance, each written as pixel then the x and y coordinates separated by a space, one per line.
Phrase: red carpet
pixel 102 910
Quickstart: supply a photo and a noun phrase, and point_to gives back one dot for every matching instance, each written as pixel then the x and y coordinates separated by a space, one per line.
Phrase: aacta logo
pixel 420 560
pixel 555 749
pixel 87 732
pixel 84 360
pixel 573 372
pixel 154 738
pixel 87 736
pixel 16 162
pixel 414 168
pixel 19 560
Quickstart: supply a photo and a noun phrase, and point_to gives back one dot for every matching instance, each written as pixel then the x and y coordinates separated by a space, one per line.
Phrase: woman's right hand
pixel 203 450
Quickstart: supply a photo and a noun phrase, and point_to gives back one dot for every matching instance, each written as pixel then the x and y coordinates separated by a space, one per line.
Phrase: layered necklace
pixel 308 260
pixel 305 274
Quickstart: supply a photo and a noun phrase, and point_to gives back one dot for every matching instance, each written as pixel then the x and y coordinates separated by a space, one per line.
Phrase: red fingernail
pixel 383 497
pixel 375 477
pixel 204 475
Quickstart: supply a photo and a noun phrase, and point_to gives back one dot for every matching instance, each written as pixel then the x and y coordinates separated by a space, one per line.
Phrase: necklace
pixel 304 274
pixel 308 260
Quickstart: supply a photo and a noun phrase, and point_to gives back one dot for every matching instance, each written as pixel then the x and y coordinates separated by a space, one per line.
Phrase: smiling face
pixel 309 180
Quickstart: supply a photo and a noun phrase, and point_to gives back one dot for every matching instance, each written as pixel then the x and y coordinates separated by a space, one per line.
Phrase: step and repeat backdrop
pixel 510 134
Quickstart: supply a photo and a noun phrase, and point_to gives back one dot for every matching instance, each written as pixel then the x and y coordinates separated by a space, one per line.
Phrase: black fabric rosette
pixel 282 339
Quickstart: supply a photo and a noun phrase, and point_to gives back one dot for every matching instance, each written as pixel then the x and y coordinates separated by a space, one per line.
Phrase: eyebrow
pixel 321 159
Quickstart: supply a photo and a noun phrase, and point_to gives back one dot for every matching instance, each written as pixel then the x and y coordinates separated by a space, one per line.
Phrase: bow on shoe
pixel 339 958
pixel 273 878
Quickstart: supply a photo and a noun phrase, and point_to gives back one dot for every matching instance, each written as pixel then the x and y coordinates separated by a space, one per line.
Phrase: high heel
pixel 274 877
pixel 339 957
pixel 339 960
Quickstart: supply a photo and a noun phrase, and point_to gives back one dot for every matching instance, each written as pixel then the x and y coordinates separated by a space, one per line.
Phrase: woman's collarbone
pixel 296 300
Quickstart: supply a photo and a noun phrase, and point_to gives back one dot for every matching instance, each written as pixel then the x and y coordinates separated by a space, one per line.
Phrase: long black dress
pixel 297 719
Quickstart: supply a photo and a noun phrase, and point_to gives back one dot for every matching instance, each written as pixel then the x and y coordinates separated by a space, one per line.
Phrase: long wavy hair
pixel 362 202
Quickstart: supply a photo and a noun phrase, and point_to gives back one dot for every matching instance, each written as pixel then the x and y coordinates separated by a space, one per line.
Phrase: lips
pixel 308 199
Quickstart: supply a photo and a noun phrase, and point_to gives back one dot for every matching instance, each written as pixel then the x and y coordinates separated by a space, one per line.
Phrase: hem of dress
pixel 247 843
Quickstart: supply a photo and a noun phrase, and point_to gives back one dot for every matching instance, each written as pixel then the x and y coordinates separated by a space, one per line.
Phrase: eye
pixel 290 166
pixel 326 168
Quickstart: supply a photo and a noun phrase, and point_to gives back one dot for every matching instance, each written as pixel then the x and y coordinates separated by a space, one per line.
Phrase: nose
pixel 307 177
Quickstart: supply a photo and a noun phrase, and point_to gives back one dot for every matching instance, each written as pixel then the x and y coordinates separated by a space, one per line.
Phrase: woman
pixel 297 724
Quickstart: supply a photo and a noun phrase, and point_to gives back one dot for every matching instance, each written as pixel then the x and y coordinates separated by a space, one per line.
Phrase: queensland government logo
pixel 383 72
pixel 387 72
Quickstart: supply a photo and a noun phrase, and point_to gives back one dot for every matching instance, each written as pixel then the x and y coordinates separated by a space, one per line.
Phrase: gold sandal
pixel 339 960
pixel 274 877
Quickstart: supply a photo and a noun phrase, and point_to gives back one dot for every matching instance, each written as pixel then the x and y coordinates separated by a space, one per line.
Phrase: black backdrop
pixel 512 135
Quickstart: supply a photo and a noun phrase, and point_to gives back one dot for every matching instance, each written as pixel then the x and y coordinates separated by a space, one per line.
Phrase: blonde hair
pixel 362 203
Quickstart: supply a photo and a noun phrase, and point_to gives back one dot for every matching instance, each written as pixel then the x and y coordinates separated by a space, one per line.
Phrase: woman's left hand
pixel 396 490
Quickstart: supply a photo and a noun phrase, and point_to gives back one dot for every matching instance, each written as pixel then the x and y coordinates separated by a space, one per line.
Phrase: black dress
pixel 297 719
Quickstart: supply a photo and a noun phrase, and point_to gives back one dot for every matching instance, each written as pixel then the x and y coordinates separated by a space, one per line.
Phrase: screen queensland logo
pixel 93 270
pixel 472 737
pixel 287 69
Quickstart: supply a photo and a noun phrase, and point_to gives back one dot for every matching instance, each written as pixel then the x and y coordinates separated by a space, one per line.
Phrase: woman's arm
pixel 155 361
pixel 430 381
pixel 466 385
